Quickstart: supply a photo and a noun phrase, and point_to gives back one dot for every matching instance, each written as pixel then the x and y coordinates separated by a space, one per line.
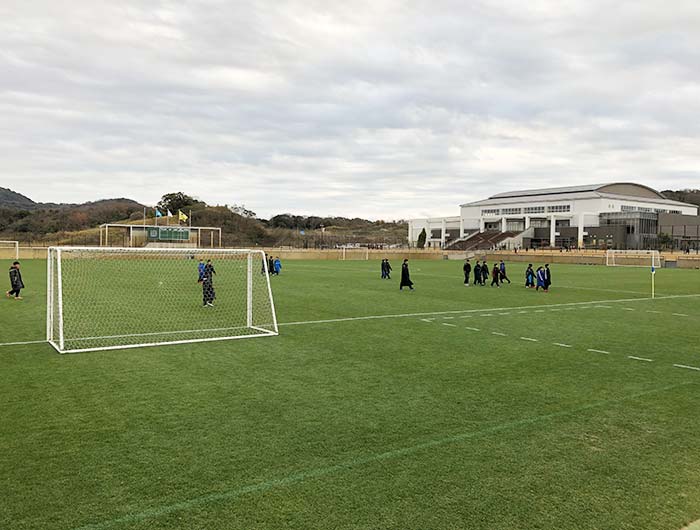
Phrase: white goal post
pixel 112 298
pixel 12 248
pixel 633 258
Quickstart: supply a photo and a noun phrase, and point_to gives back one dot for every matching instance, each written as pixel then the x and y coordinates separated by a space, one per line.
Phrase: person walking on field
pixel 278 266
pixel 541 280
pixel 495 275
pixel 467 271
pixel 477 273
pixel 547 277
pixel 529 277
pixel 16 282
pixel 484 272
pixel 405 277
pixel 383 269
pixel 502 272
pixel 387 268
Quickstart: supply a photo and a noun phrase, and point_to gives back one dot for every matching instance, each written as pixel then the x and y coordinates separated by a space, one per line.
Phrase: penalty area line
pixel 364 460
pixel 23 343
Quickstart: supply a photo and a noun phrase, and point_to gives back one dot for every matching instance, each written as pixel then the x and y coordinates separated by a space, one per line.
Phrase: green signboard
pixel 169 233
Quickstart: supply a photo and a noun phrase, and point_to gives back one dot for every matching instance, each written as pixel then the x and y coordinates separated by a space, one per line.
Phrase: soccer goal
pixel 9 248
pixel 633 258
pixel 110 298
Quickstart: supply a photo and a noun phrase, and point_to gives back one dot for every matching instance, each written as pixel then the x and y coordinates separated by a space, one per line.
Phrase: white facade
pixel 580 206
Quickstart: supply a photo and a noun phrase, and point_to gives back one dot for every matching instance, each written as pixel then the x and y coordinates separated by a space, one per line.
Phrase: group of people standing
pixel 405 274
pixel 482 272
pixel 274 266
pixel 543 277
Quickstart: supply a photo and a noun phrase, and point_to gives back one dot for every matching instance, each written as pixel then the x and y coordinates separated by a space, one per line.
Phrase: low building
pixel 616 215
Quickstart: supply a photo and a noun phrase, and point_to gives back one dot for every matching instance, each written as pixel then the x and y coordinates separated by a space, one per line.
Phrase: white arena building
pixel 616 215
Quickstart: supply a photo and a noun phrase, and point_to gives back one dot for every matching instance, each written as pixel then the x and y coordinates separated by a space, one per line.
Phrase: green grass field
pixel 474 408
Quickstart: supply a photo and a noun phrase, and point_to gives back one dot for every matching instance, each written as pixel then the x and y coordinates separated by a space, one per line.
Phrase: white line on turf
pixel 498 333
pixel 639 358
pixel 628 309
pixel 604 306
pixel 679 314
pixel 458 311
pixel 599 351
pixel 529 338
pixel 451 325
pixel 22 343
pixel 687 367
pixel 562 345
pixel 473 329
pixel 650 311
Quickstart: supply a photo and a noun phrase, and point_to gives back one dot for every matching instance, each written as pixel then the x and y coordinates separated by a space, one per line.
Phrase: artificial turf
pixel 398 422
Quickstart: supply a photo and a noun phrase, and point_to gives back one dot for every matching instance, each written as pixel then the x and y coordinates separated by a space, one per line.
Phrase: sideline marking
pixel 498 333
pixel 529 338
pixel 628 309
pixel 567 305
pixel 679 314
pixel 400 452
pixel 473 329
pixel 562 345
pixel 687 367
pixel 451 325
pixel 640 358
pixel 599 351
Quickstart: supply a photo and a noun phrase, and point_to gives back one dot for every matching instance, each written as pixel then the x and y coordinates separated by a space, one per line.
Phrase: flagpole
pixel 653 274
pixel 190 218
pixel 144 217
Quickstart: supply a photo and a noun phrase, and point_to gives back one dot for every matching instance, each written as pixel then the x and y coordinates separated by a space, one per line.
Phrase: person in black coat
pixel 529 276
pixel 484 273
pixel 405 277
pixel 467 271
pixel 207 281
pixel 16 282
pixel 477 274
pixel 388 269
pixel 547 277
pixel 495 275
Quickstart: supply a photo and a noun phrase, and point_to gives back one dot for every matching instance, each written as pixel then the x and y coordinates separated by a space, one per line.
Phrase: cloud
pixel 381 109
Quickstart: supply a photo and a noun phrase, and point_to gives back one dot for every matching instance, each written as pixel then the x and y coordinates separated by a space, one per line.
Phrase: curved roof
pixel 620 188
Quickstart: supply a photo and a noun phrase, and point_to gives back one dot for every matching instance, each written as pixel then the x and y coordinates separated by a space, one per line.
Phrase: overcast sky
pixel 380 109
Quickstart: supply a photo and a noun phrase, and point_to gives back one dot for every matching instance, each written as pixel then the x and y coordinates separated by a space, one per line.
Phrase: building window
pixel 626 208
pixel 490 212
pixel 674 211
pixel 559 208
pixel 659 210
pixel 645 209
pixel 511 211
pixel 534 209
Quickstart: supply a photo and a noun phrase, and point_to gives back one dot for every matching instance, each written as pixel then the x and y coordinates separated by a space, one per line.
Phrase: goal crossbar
pixel 633 258
pixel 115 298
pixel 14 245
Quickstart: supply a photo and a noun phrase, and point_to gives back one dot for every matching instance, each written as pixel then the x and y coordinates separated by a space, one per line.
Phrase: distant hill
pixel 689 196
pixel 12 199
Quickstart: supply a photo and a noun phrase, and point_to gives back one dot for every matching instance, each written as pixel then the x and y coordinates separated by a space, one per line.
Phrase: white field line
pixel 657 312
pixel 448 324
pixel 679 314
pixel 498 333
pixel 599 351
pixel 448 318
pixel 22 343
pixel 608 307
pixel 628 309
pixel 473 329
pixel 640 358
pixel 566 305
pixel 529 339
pixel 562 345
pixel 687 367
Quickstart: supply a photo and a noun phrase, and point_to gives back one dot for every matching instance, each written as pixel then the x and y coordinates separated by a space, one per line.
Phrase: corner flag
pixel 158 214
pixel 181 216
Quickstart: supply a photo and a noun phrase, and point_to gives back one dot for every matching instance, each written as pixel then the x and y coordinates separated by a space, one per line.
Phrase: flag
pixel 181 216
pixel 653 269
pixel 158 214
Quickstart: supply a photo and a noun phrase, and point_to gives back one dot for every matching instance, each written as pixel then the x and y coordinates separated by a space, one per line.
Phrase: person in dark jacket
pixel 503 275
pixel 467 271
pixel 405 277
pixel 547 277
pixel 540 280
pixel 383 266
pixel 16 282
pixel 529 277
pixel 207 281
pixel 484 272
pixel 495 275
pixel 477 273
pixel 388 268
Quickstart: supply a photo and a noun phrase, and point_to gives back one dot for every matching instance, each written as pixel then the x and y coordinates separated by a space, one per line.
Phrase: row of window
pixel 528 210
pixel 627 208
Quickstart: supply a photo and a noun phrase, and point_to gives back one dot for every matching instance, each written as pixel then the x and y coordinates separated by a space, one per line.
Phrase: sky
pixel 377 109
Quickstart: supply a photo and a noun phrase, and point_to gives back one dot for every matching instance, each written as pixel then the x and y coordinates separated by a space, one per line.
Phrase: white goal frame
pixel 11 244
pixel 55 325
pixel 638 258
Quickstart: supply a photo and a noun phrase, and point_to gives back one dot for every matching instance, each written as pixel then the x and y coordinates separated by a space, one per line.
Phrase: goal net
pixel 633 258
pixel 9 249
pixel 111 298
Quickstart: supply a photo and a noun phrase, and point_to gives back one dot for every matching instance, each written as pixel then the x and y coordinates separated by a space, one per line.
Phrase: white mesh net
pixel 108 298
pixel 633 258
pixel 9 250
